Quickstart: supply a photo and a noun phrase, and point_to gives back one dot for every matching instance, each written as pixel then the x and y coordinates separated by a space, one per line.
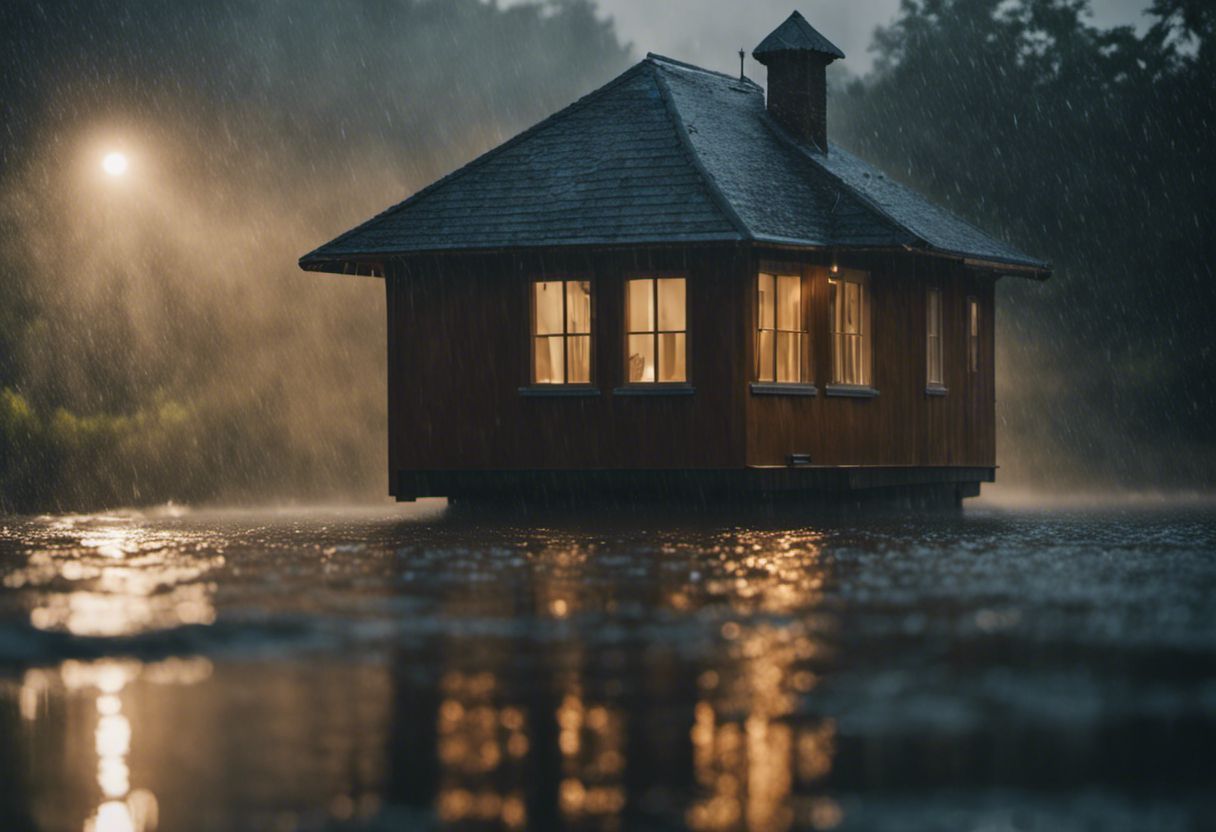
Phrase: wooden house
pixel 670 286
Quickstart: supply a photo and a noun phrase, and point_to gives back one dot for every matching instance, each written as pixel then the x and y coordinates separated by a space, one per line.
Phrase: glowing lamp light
pixel 114 164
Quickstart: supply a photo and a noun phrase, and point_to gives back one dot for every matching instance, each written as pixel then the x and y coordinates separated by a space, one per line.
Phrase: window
pixel 850 302
pixel 973 335
pixel 780 329
pixel 561 332
pixel 934 374
pixel 657 340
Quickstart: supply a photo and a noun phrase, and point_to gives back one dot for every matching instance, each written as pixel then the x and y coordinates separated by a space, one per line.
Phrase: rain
pixel 212 616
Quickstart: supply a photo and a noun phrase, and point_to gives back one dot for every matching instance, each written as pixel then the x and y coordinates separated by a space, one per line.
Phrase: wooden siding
pixel 902 425
pixel 460 350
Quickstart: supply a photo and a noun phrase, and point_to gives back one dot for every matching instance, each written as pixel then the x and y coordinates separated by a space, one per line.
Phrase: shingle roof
pixel 795 35
pixel 665 153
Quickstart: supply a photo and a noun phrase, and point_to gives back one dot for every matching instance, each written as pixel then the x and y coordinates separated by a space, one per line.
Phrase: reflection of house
pixel 672 284
pixel 758 764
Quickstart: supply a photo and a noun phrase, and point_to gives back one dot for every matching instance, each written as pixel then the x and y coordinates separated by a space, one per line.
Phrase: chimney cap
pixel 795 35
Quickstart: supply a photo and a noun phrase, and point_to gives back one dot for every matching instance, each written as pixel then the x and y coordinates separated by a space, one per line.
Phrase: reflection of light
pixel 114 541
pixel 33 688
pixel 114 777
pixel 112 816
pixel 591 741
pixel 119 613
pixel 138 579
pixel 756 762
pixel 751 769
pixel 561 567
pixel 115 164
pixel 480 745
pixel 113 742
pixel 113 736
pixel 120 808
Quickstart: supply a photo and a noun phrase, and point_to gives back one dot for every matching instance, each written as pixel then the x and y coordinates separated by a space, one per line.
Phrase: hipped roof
pixel 664 153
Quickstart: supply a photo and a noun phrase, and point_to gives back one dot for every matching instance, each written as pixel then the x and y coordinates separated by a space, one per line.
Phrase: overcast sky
pixel 709 33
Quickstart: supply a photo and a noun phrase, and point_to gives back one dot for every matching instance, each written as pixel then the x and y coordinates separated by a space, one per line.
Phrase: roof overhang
pixel 1011 269
pixel 359 266
pixel 368 265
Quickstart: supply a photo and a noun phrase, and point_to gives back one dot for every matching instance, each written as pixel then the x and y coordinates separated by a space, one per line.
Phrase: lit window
pixel 780 329
pixel 973 334
pixel 933 338
pixel 850 327
pixel 561 330
pixel 657 332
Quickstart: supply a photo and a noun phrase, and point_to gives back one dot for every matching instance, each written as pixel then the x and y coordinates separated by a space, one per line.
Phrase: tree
pixel 1090 147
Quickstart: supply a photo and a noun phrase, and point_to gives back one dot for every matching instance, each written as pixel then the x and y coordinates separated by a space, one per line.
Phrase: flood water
pixel 417 668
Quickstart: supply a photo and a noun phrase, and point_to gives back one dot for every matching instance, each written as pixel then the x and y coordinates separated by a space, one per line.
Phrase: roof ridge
pixel 654 57
pixel 715 192
pixel 476 161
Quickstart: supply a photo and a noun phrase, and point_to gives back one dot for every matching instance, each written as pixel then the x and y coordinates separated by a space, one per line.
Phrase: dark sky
pixel 710 32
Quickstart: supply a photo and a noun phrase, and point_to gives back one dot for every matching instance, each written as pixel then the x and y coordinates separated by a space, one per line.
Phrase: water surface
pixel 389 668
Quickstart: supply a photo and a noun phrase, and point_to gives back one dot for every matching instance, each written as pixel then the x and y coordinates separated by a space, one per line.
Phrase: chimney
pixel 797 58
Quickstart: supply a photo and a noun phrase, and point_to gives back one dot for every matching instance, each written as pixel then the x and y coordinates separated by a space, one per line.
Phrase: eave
pixel 372 264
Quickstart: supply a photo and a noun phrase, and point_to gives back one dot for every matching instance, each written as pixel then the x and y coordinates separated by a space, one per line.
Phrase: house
pixel 672 286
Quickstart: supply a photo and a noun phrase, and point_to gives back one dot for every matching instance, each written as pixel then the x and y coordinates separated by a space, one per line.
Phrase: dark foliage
pixel 162 344
pixel 1094 149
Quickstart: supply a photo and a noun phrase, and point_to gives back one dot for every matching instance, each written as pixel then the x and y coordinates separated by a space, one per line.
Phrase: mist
pixel 157 341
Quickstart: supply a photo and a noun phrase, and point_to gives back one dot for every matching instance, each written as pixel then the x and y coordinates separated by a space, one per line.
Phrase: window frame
pixel 540 387
pixel 864 388
pixel 628 386
pixel 975 315
pixel 804 384
pixel 935 386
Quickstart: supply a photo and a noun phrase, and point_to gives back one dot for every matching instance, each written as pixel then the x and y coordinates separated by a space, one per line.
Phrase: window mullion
pixel 776 330
pixel 565 336
pixel 658 358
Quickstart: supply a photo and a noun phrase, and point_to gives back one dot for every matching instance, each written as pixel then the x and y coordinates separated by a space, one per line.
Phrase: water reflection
pixel 119 807
pixel 759 754
pixel 758 763
pixel 560 676
pixel 370 674
pixel 591 739
pixel 577 742
pixel 114 575
pixel 481 753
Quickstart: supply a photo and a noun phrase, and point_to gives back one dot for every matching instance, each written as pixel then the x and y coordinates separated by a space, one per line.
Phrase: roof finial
pixel 741 54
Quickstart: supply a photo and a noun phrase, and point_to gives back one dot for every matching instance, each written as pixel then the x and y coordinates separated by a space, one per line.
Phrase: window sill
pixel 779 388
pixel 854 391
pixel 935 390
pixel 655 389
pixel 541 391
